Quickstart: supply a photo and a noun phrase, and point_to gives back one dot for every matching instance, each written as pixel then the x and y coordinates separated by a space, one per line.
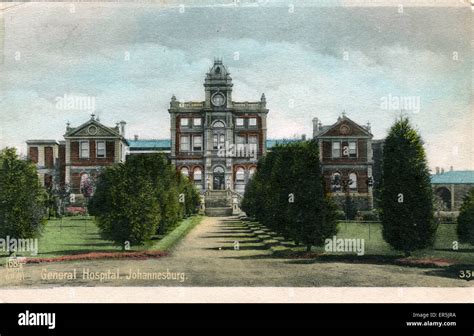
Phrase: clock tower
pixel 218 87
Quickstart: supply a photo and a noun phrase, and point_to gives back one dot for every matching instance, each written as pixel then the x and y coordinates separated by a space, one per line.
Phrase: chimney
pixel 122 128
pixel 135 137
pixel 315 127
pixel 303 137
pixel 451 168
pixel 437 170
pixel 442 170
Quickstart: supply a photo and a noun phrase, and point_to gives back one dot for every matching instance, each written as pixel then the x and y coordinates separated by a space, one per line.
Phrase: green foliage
pixel 465 227
pixel 136 200
pixel 22 199
pixel 287 195
pixel 406 196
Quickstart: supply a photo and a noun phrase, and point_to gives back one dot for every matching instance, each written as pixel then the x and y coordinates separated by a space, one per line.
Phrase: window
pixel 253 122
pixel 353 181
pixel 218 124
pixel 239 122
pixel 336 149
pixel 336 182
pixel 197 121
pixel 100 149
pixel 240 139
pixel 253 140
pixel 218 140
pixel 197 174
pixel 184 122
pixel 352 149
pixel 184 143
pixel 197 143
pixel 240 175
pixel 84 150
pixel 252 171
pixel 185 171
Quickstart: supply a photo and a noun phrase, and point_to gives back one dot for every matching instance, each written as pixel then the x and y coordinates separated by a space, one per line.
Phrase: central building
pixel 217 142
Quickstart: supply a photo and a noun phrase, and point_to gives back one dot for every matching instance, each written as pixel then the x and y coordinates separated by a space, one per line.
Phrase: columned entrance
pixel 218 178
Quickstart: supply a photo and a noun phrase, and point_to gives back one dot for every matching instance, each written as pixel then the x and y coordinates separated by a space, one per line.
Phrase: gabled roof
pixel 327 130
pixel 454 177
pixel 102 130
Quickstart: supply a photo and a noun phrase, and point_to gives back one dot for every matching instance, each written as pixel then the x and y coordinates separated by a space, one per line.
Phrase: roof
pixel 150 144
pixel 454 177
pixel 273 142
pixel 165 144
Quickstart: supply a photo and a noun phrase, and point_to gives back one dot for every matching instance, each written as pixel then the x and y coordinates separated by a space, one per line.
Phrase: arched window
pixel 252 171
pixel 218 124
pixel 197 174
pixel 240 174
pixel 353 181
pixel 336 182
pixel 185 171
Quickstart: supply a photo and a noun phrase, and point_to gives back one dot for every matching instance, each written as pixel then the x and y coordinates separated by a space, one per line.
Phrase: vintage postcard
pixel 234 150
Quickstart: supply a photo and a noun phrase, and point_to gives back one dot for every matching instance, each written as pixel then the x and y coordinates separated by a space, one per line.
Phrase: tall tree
pixel 22 199
pixel 466 219
pixel 312 215
pixel 406 195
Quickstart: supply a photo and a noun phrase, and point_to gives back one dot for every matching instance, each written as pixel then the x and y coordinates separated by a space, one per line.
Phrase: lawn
pixel 375 245
pixel 76 235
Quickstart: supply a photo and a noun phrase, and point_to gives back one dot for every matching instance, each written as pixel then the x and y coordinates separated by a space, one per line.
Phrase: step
pixel 219 212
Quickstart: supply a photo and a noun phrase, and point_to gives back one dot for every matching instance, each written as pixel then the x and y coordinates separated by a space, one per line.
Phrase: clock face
pixel 218 99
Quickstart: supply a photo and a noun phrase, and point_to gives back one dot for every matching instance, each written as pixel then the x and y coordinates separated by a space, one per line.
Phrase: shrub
pixel 22 199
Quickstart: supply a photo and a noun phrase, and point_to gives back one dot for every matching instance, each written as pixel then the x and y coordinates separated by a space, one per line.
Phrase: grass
pixel 376 246
pixel 77 235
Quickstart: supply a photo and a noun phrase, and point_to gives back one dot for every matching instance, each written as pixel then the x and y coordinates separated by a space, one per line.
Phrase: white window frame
pixel 333 149
pixel 239 122
pixel 181 143
pixel 82 149
pixel 199 136
pixel 240 175
pixel 195 175
pixel 352 149
pixel 353 185
pixel 253 146
pixel 184 122
pixel 97 149
pixel 197 122
pixel 253 122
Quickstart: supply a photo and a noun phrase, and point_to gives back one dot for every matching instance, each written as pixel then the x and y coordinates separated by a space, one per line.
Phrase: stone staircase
pixel 218 203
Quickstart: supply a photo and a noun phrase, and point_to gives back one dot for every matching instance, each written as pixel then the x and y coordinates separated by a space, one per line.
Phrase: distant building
pixel 345 150
pixel 46 155
pixel 86 150
pixel 452 186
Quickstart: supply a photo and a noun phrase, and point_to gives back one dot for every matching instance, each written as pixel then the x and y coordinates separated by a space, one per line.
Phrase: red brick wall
pixel 33 154
pixel 48 157
pixel 92 160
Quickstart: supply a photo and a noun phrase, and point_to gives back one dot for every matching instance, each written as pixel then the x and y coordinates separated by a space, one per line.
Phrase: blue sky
pixel 295 58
